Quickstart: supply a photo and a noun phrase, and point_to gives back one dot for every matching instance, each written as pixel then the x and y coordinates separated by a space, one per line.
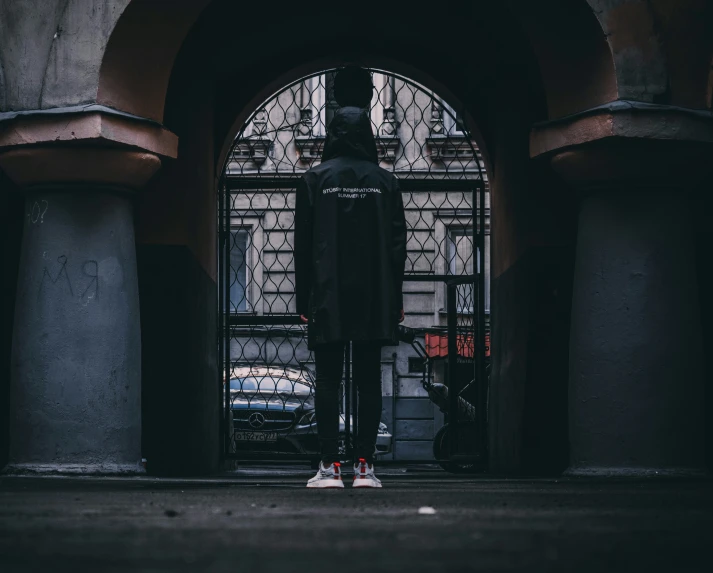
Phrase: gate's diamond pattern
pixel 268 368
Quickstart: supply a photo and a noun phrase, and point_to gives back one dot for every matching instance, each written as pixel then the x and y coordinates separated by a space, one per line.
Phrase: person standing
pixel 350 254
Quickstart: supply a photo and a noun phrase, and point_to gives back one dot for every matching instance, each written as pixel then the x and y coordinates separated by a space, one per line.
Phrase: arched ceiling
pixel 121 53
pixel 495 46
pixel 544 60
pixel 477 54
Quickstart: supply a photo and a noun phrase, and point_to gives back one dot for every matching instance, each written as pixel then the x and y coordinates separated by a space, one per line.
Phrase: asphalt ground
pixel 263 519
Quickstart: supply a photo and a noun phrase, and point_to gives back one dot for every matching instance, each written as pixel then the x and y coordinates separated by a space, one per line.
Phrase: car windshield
pixel 270 385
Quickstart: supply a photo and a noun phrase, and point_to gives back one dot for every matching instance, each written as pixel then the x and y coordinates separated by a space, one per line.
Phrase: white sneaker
pixel 364 475
pixel 327 477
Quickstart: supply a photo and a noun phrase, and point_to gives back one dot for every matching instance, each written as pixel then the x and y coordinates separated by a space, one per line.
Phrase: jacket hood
pixel 349 134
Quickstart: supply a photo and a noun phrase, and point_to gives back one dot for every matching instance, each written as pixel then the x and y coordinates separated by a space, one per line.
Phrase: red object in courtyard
pixel 437 345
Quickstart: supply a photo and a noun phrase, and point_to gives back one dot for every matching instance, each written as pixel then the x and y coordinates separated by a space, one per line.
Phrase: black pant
pixel 366 374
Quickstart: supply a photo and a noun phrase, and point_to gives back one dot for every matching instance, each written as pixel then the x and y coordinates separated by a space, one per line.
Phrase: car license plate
pixel 256 436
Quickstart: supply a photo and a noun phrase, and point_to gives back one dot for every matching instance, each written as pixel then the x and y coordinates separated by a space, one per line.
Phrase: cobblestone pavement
pixel 264 520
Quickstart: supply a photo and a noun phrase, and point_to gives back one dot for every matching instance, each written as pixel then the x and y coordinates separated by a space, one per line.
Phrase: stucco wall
pixel 661 48
pixel 51 50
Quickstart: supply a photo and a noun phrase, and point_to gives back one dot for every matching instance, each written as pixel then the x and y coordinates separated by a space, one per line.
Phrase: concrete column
pixel 75 402
pixel 636 379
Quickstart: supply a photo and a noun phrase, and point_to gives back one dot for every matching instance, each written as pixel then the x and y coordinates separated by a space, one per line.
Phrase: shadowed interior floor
pixel 263 519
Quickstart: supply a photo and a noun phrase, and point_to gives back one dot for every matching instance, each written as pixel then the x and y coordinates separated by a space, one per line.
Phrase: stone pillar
pixel 636 382
pixel 75 401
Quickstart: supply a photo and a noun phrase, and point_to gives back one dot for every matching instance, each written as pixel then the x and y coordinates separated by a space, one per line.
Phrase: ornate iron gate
pixel 267 385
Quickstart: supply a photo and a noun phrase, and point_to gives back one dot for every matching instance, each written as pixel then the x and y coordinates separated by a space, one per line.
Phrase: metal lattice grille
pixel 418 135
pixel 424 142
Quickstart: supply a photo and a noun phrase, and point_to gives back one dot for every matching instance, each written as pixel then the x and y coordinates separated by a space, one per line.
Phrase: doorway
pixel 434 383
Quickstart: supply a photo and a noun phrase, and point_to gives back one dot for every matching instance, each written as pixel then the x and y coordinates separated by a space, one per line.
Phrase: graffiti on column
pixel 37 212
pixel 62 260
pixel 89 269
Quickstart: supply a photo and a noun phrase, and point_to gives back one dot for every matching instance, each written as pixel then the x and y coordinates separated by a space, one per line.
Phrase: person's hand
pixel 401 318
pixel 304 318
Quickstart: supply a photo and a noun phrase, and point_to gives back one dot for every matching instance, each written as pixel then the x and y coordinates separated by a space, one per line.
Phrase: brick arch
pixel 661 49
pixel 573 56
pixel 139 56
pixel 568 44
pixel 201 67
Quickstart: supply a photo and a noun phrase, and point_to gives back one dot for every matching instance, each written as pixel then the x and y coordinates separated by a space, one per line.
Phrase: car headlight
pixel 307 419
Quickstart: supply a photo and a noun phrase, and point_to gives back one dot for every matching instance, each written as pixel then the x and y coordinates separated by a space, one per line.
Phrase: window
pixel 246 240
pixel 238 270
pixel 381 97
pixel 452 121
pixel 461 255
pixel 460 251
pixel 317 96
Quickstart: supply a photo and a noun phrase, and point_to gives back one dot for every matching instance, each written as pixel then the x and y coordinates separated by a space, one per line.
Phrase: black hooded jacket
pixel 350 239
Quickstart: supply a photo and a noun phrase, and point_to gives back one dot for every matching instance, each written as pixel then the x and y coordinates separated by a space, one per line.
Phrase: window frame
pixel 317 90
pixel 233 232
pixel 451 262
pixel 443 224
pixel 253 261
pixel 451 120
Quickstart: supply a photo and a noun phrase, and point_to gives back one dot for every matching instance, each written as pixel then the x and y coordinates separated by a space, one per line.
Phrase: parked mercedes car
pixel 273 412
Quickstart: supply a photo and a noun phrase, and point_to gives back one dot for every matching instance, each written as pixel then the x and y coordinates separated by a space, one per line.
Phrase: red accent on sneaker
pixel 361 469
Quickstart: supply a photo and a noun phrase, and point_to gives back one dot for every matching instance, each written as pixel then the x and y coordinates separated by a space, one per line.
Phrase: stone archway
pixel 196 107
pixel 196 66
